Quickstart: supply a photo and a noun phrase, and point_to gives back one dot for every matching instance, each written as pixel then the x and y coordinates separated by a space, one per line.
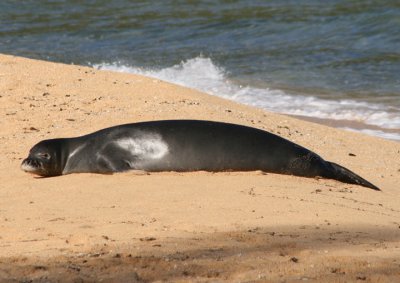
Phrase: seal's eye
pixel 44 155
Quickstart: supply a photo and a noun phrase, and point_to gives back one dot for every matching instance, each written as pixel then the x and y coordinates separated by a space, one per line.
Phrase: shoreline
pixel 355 126
pixel 352 125
pixel 227 226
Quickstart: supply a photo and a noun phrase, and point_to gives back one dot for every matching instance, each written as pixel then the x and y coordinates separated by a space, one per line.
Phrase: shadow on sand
pixel 280 254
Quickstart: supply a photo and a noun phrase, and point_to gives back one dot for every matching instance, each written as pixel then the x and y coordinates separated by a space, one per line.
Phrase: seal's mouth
pixel 32 166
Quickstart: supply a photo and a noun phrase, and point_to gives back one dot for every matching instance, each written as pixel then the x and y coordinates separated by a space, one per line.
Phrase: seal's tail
pixel 345 175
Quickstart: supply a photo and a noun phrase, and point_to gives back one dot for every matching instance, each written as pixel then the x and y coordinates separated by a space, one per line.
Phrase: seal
pixel 181 145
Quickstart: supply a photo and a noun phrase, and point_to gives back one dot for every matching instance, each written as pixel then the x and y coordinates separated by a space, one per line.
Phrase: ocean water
pixel 337 60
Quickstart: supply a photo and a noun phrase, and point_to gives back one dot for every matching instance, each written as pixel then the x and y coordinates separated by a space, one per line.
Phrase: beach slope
pixel 200 226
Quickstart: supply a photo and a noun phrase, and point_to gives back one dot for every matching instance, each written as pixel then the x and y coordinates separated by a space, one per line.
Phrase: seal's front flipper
pixel 343 174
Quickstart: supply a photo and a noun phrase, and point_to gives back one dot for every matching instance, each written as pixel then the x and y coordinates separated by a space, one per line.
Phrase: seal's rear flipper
pixel 343 174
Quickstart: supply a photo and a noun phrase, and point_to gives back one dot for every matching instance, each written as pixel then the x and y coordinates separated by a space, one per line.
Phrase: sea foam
pixel 202 74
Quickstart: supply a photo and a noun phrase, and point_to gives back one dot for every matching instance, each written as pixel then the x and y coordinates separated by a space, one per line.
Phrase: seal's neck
pixel 73 146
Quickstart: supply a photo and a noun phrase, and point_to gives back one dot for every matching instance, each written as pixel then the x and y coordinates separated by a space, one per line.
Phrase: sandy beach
pixel 180 227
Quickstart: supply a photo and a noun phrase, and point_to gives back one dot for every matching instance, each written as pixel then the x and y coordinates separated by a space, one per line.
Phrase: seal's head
pixel 44 159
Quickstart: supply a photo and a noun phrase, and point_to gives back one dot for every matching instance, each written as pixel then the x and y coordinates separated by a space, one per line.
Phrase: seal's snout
pixel 30 165
pixel 30 162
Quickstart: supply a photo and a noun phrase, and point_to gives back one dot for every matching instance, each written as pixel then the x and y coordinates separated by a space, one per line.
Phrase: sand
pixel 138 227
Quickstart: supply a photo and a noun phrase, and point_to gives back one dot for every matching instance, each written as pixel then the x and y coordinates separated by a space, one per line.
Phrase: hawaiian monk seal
pixel 181 145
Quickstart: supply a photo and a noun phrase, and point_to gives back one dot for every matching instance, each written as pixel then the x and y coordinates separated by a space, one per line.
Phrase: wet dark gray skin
pixel 181 145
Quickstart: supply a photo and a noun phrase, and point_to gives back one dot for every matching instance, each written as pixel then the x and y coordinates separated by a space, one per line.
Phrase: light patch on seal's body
pixel 76 150
pixel 71 160
pixel 150 146
pixel 105 159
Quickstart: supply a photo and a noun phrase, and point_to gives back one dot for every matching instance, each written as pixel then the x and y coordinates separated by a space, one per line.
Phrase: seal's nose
pixel 29 163
pixel 25 162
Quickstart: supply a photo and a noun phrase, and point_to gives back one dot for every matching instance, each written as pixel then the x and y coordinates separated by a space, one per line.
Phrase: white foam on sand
pixel 202 74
